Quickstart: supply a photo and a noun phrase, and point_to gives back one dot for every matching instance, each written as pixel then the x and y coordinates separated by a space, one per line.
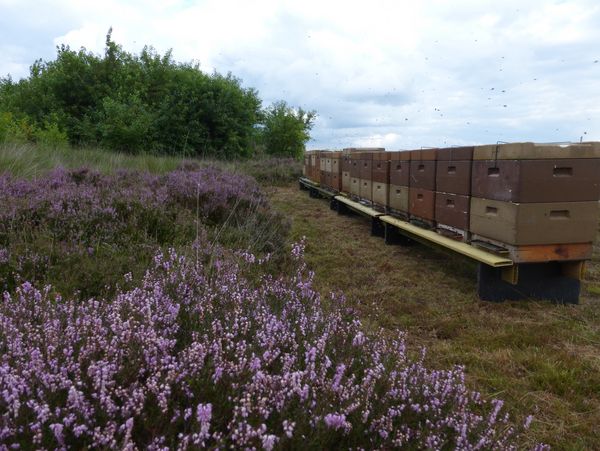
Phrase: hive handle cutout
pixel 563 172
pixel 451 169
pixel 419 196
pixel 560 214
pixel 450 203
pixel 491 211
pixel 493 172
pixel 421 167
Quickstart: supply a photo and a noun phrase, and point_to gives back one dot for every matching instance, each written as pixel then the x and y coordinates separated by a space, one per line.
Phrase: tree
pixel 286 130
pixel 132 103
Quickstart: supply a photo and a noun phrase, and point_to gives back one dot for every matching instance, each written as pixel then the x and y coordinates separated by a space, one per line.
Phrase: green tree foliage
pixel 286 129
pixel 132 103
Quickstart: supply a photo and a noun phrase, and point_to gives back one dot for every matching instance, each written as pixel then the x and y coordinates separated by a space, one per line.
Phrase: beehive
pixel 535 223
pixel 453 188
pixel 526 193
pixel 381 178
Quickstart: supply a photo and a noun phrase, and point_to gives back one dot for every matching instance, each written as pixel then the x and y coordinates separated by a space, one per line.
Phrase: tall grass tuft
pixel 30 161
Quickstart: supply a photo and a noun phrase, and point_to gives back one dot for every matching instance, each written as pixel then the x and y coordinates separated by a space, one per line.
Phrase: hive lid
pixel 533 151
pixel 382 156
pixel 455 153
pixel 423 154
pixel 362 155
pixel 403 155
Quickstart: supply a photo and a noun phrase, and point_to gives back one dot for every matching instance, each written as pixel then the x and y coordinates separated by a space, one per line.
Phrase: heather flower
pixel 204 413
pixel 199 356
pixel 336 421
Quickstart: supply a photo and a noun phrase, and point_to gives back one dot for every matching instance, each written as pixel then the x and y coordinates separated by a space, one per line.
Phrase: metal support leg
pixel 343 209
pixel 535 280
pixel 334 204
pixel 377 227
pixel 392 236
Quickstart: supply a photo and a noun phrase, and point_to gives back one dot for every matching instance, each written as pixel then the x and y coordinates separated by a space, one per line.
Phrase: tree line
pixel 146 102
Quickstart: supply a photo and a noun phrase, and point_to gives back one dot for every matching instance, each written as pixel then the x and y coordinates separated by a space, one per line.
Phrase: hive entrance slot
pixel 563 172
pixel 560 214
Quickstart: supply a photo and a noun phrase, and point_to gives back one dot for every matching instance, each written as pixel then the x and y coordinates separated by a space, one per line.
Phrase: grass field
pixel 537 356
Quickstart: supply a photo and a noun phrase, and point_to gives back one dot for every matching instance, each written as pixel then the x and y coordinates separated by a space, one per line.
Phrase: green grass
pixel 29 161
pixel 539 357
pixel 26 160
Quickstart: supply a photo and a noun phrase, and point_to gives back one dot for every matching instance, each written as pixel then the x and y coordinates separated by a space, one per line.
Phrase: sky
pixel 396 74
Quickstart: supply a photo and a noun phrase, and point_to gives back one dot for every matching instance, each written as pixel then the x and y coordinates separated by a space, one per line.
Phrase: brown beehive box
pixel 355 163
pixel 421 203
pixel 328 162
pixel 399 168
pixel 452 210
pixel 398 198
pixel 532 151
pixel 322 161
pixel 381 193
pixel 336 163
pixel 381 168
pixel 453 177
pixel 335 181
pixel 355 186
pixel 422 174
pixel 366 189
pixel 324 179
pixel 560 180
pixel 346 163
pixel 453 170
pixel 366 166
pixel 534 223
pixel 346 181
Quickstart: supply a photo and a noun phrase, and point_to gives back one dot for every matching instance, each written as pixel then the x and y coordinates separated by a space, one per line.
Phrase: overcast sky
pixel 388 73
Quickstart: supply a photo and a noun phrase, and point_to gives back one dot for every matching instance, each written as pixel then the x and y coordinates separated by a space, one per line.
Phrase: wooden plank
pixel 432 237
pixel 358 207
pixel 551 252
pixel 539 253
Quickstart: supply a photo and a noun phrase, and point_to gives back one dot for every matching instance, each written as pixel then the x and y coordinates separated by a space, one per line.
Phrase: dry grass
pixel 539 357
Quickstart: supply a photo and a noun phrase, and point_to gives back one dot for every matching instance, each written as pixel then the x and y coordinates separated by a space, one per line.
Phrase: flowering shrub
pixel 57 225
pixel 199 356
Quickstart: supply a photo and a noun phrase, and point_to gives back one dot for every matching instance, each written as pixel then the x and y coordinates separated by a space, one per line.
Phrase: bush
pixel 130 103
pixel 286 130
pixel 199 356
pixel 80 230
pixel 51 137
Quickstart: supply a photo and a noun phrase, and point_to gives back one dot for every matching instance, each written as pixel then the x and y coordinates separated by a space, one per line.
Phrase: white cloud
pixel 400 74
